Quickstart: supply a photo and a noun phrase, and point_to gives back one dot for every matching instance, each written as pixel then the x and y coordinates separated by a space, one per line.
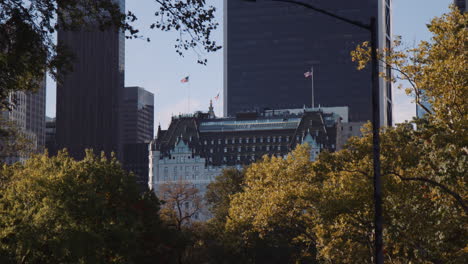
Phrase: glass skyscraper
pixel 270 45
pixel 88 99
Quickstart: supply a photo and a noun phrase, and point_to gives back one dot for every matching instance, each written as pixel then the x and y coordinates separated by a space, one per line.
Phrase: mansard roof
pixel 230 141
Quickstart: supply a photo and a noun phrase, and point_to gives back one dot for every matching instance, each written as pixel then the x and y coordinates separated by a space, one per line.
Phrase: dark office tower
pixel 461 4
pixel 35 114
pixel 270 45
pixel 88 98
pixel 137 113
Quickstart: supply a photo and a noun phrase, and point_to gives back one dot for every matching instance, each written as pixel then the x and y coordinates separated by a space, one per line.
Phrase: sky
pixel 156 66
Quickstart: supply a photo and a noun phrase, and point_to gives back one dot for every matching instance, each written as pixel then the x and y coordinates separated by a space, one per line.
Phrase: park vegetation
pixel 277 210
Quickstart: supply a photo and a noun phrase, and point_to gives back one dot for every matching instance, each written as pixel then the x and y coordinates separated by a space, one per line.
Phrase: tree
pixel 423 223
pixel 273 213
pixel 219 193
pixel 27 49
pixel 181 203
pixel 58 210
pixel 13 141
pixel 435 71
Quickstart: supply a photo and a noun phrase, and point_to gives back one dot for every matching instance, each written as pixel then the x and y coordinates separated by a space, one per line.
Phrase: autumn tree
pixel 273 211
pixel 435 71
pixel 423 223
pixel 27 49
pixel 182 203
pixel 58 210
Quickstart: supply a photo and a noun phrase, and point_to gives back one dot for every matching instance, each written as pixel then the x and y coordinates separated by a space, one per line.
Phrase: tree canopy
pixel 58 210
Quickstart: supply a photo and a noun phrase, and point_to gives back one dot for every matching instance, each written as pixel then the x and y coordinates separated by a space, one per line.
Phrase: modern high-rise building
pixel 270 45
pixel 461 4
pixel 88 99
pixel 28 116
pixel 137 115
pixel 137 129
pixel 35 114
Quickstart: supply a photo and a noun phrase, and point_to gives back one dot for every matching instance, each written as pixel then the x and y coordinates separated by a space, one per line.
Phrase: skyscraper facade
pixel 137 115
pixel 35 114
pixel 137 128
pixel 461 4
pixel 28 116
pixel 88 99
pixel 269 45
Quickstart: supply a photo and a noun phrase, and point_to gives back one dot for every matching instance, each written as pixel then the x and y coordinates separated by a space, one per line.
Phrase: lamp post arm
pixel 325 12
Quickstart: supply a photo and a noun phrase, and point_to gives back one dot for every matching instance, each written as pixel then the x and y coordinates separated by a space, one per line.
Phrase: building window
pixel 212 142
pixel 253 148
pixel 225 141
pixel 247 140
pixel 206 142
pixel 225 149
pixel 166 173
pixel 274 139
pixel 279 139
pixel 261 139
pixel 240 140
pixel 239 149
pixel 267 148
pixel 254 140
pixel 224 159
pixel 238 157
pixel 350 128
pixel 219 141
pixel 268 139
pixel 211 150
pixel 279 148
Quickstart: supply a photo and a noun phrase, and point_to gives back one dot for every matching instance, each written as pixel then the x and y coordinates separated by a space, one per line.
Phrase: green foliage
pixel 58 210
pixel 13 142
pixel 219 193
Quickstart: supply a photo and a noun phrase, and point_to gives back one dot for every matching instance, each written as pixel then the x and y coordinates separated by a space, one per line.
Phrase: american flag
pixel 185 80
pixel 217 97
pixel 308 74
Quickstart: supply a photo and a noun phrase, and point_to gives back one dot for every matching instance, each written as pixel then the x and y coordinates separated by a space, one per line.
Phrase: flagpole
pixel 188 97
pixel 312 80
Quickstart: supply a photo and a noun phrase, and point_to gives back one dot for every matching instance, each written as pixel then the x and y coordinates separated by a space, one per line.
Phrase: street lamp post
pixel 372 28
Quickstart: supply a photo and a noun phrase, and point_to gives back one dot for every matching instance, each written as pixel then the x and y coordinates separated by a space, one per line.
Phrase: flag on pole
pixel 308 74
pixel 217 97
pixel 185 80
